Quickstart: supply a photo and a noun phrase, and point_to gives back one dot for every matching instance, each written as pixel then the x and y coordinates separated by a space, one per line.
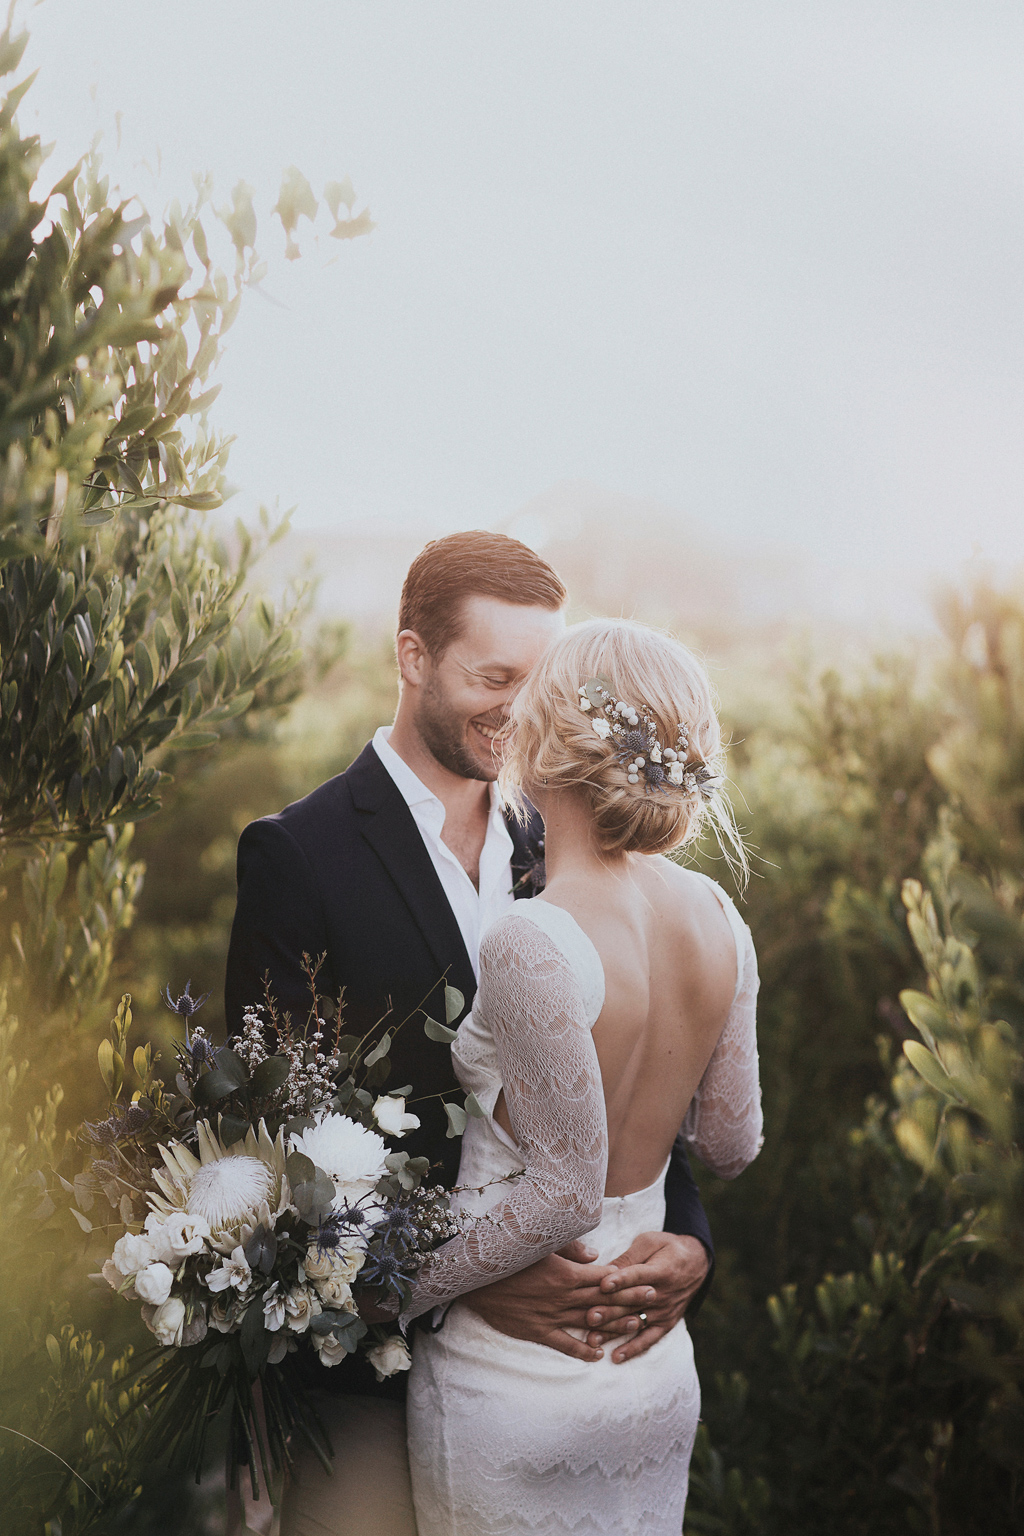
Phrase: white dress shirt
pixel 474 909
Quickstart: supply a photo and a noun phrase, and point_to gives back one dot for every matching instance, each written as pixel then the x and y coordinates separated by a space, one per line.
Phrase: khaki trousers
pixel 369 1492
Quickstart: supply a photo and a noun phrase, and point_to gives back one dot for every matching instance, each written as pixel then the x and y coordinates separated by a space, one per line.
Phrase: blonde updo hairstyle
pixel 553 741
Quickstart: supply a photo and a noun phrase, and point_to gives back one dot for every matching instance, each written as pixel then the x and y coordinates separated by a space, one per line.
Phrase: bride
pixel 613 1009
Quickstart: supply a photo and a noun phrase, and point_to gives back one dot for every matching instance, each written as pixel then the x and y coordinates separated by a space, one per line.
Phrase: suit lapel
pixel 387 824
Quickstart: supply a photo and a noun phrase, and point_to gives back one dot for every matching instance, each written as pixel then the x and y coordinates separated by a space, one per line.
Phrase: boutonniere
pixel 530 875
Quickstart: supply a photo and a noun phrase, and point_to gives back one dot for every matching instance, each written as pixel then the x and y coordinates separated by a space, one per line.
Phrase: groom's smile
pixel 462 695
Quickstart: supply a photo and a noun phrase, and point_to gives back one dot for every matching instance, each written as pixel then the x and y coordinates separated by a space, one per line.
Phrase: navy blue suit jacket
pixel 344 873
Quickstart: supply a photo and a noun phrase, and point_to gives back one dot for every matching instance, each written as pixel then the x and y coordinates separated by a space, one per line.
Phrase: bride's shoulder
pixel 688 890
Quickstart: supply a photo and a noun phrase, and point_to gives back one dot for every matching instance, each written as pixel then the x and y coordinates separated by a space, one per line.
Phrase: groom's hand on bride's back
pixel 558 1293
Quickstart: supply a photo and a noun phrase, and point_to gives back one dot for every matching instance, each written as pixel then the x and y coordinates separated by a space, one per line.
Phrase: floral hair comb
pixel 633 736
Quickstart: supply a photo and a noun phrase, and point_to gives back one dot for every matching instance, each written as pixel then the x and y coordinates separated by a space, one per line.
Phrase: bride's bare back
pixel 669 960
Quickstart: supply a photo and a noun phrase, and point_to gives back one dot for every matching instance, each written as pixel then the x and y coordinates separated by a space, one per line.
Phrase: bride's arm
pixel 531 1000
pixel 723 1123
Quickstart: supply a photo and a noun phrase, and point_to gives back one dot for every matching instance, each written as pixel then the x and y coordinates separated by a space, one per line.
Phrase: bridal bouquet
pixel 250 1198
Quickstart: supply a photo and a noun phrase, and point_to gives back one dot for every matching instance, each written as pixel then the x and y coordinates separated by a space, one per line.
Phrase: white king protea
pixel 350 1154
pixel 233 1188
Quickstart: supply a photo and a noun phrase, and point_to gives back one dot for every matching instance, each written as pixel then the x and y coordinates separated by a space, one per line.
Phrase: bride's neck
pixel 570 847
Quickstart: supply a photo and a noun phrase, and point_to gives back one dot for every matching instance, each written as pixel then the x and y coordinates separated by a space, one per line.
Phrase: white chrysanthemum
pixel 229 1190
pixel 350 1154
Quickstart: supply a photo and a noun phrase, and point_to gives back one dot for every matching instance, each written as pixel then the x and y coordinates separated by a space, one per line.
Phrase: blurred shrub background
pixel 862 1352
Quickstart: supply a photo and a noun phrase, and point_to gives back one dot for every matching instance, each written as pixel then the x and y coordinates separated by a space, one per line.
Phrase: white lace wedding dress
pixel 506 1436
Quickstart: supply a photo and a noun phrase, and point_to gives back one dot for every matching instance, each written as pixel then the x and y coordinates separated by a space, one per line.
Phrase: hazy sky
pixel 762 262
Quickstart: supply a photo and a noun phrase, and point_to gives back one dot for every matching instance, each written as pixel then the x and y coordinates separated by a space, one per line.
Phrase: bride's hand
pixel 674 1266
pixel 542 1302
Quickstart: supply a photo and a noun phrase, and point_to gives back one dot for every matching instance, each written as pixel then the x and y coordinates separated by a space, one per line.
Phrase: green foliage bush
pixel 871 1260
pixel 129 643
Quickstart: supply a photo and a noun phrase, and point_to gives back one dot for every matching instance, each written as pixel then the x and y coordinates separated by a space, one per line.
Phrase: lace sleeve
pixel 530 999
pixel 723 1123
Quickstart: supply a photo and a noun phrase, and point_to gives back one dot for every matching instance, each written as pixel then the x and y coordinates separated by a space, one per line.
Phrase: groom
pixel 393 871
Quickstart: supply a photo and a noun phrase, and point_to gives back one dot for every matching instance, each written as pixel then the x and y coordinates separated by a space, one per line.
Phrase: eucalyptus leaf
pixel 456 1120
pixel 454 1002
pixel 440 1032
pixel 269 1076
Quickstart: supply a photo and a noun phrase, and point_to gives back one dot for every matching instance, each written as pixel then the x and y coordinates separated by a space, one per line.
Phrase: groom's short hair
pixel 471 564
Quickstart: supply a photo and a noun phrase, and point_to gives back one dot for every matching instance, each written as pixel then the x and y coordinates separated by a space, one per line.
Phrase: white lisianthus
pixel 173 1238
pixel 390 1357
pixel 153 1284
pixel 166 1321
pixel 389 1113
pixel 234 1272
pixel 349 1153
pixel 273 1308
pixel 655 753
pixel 334 1292
pixel 301 1305
pixel 602 727
pixel 675 773
pixel 585 702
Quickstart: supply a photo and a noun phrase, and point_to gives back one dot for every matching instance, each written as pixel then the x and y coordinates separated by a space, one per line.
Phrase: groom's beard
pixel 443 736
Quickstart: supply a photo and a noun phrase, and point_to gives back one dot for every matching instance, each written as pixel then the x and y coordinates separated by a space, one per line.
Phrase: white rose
pixel 133 1252
pixel 334 1291
pixel 601 727
pixel 166 1321
pixel 655 753
pixel 585 702
pixel 675 773
pixel 390 1357
pixel 318 1264
pixel 347 1264
pixel 301 1306
pixel 223 1315
pixel 153 1284
pixel 389 1113
pixel 330 1350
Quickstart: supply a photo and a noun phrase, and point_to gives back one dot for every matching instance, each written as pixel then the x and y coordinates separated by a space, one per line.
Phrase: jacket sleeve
pixel 686 1217
pixel 278 918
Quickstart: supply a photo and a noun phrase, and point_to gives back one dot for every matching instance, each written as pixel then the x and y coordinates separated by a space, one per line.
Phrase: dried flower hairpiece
pixel 633 735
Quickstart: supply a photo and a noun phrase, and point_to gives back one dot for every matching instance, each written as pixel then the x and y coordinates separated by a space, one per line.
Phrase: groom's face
pixel 464 698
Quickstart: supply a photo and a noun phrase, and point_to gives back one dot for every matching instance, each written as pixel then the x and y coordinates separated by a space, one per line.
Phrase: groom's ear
pixel 413 657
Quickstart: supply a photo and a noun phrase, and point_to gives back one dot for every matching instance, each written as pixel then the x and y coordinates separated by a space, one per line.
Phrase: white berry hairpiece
pixel 633 736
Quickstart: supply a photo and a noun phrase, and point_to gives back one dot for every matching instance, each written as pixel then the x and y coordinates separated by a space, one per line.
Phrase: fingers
pixel 578 1252
pixel 639 1345
pixel 631 1278
pixel 629 1299
pixel 576 1349
pixel 623 1328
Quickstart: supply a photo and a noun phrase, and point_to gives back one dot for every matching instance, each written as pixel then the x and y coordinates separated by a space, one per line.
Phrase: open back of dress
pixel 507 1436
